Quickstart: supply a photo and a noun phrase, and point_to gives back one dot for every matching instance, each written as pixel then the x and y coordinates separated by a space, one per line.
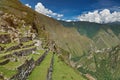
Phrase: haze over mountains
pixel 92 49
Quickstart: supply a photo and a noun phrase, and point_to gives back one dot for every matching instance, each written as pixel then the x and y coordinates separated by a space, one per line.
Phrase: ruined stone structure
pixel 24 70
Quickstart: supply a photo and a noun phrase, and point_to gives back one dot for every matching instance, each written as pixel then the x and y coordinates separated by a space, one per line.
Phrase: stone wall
pixel 50 69
pixel 12 48
pixel 4 62
pixel 5 38
pixel 25 39
pixel 24 70
pixel 7 56
pixel 24 52
pixel 41 58
pixel 20 53
pixel 1 77
pixel 1 48
pixel 28 45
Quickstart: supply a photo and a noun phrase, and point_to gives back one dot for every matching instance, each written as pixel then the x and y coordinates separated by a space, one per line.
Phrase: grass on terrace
pixel 8 45
pixel 40 72
pixel 36 55
pixel 62 71
pixel 9 69
pixel 6 72
pixel 21 60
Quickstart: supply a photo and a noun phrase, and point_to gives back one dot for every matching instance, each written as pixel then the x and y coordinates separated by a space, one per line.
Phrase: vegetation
pixel 61 71
pixel 90 47
pixel 40 72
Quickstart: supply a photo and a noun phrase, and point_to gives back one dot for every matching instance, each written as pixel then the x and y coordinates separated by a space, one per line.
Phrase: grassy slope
pixel 40 72
pixel 61 71
pixel 106 39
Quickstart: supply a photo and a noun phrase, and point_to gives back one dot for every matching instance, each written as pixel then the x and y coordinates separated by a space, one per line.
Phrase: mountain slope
pixel 50 28
pixel 101 34
pixel 23 34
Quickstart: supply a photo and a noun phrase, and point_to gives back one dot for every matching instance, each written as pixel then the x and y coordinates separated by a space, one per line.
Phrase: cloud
pixel 28 5
pixel 43 10
pixel 68 20
pixel 103 16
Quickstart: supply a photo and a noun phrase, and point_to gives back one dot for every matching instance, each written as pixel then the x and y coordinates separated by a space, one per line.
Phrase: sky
pixel 99 11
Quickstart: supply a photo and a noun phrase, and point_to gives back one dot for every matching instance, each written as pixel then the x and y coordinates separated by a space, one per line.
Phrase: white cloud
pixel 43 10
pixel 104 16
pixel 68 20
pixel 28 5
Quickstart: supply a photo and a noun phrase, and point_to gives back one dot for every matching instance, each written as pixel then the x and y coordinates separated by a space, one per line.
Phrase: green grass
pixel 9 69
pixel 40 72
pixel 13 65
pixel 3 54
pixel 21 60
pixel 2 60
pixel 64 72
pixel 3 33
pixel 27 43
pixel 36 55
pixel 8 45
pixel 6 72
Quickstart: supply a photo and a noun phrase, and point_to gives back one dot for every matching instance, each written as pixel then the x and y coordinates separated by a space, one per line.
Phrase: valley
pixel 36 47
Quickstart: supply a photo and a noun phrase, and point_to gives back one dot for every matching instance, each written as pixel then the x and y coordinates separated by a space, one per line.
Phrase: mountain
pixel 105 34
pixel 102 61
pixel 34 47
pixel 28 45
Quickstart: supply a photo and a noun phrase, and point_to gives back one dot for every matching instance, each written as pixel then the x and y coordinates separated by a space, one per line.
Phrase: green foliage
pixel 107 65
pixel 40 72
pixel 61 71
pixel 91 29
